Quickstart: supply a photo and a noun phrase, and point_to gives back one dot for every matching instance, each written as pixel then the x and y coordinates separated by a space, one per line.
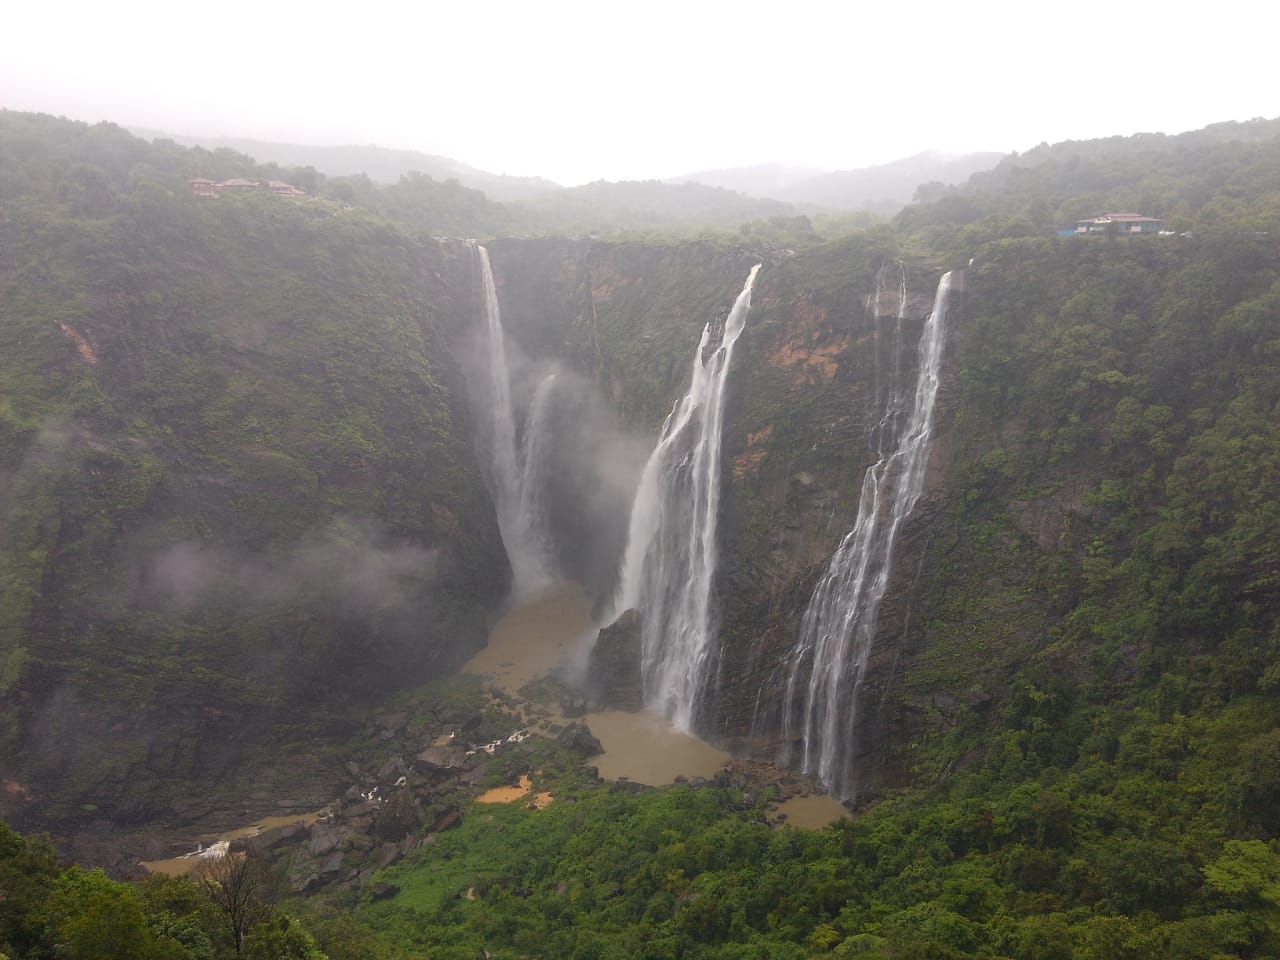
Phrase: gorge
pixel 668 568
pixel 977 529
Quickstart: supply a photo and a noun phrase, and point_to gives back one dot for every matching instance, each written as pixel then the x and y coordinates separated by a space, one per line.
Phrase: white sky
pixel 579 91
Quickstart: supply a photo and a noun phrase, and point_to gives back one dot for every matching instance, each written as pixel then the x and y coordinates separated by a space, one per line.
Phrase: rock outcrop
pixel 613 671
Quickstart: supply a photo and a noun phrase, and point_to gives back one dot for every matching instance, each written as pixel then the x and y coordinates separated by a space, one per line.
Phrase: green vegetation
pixel 227 910
pixel 1063 840
pixel 201 400
pixel 231 466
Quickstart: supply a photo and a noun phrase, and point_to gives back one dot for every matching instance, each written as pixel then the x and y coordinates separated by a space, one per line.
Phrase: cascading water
pixel 827 666
pixel 671 554
pixel 516 504
pixel 890 397
pixel 536 454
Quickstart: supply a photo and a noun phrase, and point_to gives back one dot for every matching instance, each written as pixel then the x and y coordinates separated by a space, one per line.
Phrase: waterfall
pixel 671 555
pixel 836 633
pixel 536 469
pixel 890 398
pixel 512 478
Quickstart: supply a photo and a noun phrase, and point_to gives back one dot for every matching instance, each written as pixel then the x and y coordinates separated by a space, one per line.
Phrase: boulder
pixel 576 736
pixel 442 759
pixel 446 820
pixel 613 670
pixel 325 836
pixel 398 817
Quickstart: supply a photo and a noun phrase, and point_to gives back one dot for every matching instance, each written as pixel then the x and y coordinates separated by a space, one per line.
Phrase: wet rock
pixel 275 837
pixel 614 667
pixel 475 775
pixel 365 808
pixel 446 821
pixel 359 843
pixel 398 817
pixel 332 864
pixel 325 836
pixel 388 854
pixel 392 769
pixel 576 736
pixel 442 759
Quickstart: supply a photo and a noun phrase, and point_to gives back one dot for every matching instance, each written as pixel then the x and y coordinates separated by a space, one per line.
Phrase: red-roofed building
pixel 203 187
pixel 282 189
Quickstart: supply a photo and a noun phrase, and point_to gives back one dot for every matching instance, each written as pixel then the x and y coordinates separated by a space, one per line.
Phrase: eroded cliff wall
pixel 826 331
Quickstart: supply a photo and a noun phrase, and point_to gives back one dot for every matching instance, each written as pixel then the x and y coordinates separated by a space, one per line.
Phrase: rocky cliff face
pixel 806 395
pixel 819 369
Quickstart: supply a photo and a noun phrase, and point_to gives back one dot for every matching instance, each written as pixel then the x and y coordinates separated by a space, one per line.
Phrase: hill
pixel 883 188
pixel 380 164
pixel 237 488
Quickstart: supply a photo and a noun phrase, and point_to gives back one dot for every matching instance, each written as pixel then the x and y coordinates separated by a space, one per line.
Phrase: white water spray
pixel 890 397
pixel 536 470
pixel 830 658
pixel 671 553
pixel 512 478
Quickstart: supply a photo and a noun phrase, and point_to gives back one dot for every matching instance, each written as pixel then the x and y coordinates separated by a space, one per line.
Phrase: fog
pixel 578 91
pixel 349 564
pixel 588 462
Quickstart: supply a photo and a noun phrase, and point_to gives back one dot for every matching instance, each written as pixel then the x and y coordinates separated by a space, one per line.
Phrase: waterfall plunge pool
pixel 542 635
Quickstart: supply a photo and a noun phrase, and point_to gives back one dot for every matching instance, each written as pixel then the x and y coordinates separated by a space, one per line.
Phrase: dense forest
pixel 1098 612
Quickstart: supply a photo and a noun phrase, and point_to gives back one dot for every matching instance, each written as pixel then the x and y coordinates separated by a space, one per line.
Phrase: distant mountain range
pixel 381 164
pixel 884 187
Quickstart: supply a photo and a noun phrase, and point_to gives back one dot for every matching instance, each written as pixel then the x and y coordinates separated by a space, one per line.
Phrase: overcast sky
pixel 579 91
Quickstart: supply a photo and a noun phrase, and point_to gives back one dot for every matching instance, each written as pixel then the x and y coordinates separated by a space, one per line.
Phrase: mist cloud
pixel 353 566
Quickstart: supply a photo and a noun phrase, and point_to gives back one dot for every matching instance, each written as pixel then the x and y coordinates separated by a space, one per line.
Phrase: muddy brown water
pixel 181 866
pixel 813 812
pixel 543 635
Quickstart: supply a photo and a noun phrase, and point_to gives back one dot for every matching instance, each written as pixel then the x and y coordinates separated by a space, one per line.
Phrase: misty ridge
pixel 354 566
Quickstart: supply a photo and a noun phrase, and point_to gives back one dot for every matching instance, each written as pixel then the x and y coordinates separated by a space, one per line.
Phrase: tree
pixel 27 870
pixel 242 887
pixel 282 939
